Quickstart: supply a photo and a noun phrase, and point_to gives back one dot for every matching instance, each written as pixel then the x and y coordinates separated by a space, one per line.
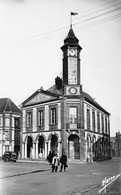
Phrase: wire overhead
pixel 100 14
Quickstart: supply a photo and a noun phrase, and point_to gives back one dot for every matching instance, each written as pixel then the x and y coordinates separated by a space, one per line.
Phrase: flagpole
pixel 70 20
pixel 72 14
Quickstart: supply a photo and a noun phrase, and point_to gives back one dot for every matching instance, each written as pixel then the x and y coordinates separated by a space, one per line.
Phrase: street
pixel 35 178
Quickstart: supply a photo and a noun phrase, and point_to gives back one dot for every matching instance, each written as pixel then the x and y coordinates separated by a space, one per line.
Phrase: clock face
pixel 72 52
pixel 73 90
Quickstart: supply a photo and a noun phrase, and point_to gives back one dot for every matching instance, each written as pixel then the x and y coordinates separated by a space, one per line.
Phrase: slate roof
pixel 71 38
pixel 58 93
pixel 46 92
pixel 6 105
pixel 54 89
pixel 84 95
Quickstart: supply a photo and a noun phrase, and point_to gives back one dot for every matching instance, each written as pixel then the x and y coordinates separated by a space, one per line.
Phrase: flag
pixel 74 13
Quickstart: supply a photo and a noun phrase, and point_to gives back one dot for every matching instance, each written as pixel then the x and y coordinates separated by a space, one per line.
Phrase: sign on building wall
pixel 6 136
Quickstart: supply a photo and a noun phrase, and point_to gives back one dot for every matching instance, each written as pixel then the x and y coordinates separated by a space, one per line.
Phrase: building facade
pixel 64 117
pixel 9 133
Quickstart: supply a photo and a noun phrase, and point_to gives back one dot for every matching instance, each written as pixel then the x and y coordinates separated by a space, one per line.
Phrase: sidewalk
pixel 27 160
pixel 76 161
pixel 116 158
pixel 22 167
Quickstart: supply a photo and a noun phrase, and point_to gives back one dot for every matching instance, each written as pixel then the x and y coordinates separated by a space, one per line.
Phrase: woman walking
pixel 55 163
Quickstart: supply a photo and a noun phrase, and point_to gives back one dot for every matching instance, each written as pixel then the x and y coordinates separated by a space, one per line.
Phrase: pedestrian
pixel 88 156
pixel 63 161
pixel 55 163
pixel 50 157
pixel 91 157
pixel 32 154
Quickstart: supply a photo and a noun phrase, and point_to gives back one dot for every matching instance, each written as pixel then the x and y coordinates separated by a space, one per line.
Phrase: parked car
pixel 9 156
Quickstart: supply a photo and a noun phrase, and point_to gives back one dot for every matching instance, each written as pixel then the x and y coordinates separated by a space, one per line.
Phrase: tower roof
pixel 6 105
pixel 71 38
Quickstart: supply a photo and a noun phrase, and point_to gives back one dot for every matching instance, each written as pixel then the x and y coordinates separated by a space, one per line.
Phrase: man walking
pixel 63 161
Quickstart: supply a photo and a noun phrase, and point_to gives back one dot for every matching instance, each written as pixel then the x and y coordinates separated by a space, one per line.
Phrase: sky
pixel 32 33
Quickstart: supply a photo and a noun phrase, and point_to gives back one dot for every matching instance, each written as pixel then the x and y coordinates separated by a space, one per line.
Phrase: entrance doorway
pixel 54 143
pixel 73 147
pixel 41 146
pixel 29 147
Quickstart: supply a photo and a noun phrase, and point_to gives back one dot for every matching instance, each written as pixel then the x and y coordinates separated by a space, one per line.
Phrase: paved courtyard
pixel 35 178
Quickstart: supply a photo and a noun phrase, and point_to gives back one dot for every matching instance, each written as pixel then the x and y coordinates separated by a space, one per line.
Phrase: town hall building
pixel 64 117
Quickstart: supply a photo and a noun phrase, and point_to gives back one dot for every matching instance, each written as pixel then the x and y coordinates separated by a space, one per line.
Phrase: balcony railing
pixel 73 126
pixel 40 127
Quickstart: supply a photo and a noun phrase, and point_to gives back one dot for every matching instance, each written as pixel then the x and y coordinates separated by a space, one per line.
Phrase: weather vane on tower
pixel 72 14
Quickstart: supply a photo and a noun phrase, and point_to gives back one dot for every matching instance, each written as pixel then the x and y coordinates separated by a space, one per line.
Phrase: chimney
pixel 58 82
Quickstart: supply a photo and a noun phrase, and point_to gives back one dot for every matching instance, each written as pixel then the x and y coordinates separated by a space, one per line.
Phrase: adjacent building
pixel 118 144
pixel 115 145
pixel 9 126
pixel 64 117
pixel 112 146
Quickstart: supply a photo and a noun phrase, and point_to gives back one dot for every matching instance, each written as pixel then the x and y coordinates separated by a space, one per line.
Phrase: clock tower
pixel 71 64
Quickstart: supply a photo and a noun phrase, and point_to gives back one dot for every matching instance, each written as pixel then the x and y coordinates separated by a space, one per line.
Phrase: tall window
pixel 98 123
pixel 88 119
pixel 17 123
pixel 93 120
pixel 53 115
pixel 6 148
pixel 102 124
pixel 73 117
pixel 29 119
pixel 40 117
pixel 7 122
pixel 106 125
pixel 1 121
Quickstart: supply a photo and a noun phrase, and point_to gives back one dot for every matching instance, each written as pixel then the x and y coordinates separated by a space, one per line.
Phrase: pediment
pixel 41 97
